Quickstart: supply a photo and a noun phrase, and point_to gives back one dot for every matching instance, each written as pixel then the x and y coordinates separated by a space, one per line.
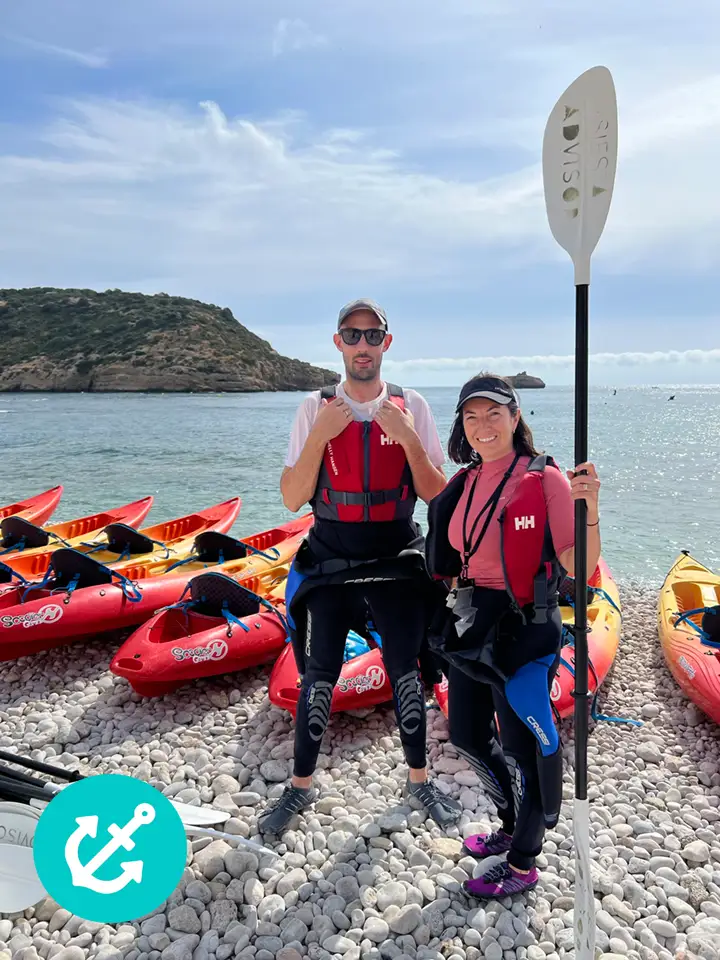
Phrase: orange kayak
pixel 118 544
pixel 604 623
pixel 19 538
pixel 37 509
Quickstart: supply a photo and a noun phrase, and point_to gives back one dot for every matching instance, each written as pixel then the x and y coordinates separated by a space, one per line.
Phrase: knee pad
pixel 409 696
pixel 487 778
pixel 319 701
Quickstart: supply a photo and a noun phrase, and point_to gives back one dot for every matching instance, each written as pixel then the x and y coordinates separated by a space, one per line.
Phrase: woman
pixel 503 529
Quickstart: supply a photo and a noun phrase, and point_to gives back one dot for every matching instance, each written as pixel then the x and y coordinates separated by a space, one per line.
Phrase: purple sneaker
pixel 501 881
pixel 483 845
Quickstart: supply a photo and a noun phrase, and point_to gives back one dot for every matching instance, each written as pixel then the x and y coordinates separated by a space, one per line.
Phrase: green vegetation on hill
pixel 70 340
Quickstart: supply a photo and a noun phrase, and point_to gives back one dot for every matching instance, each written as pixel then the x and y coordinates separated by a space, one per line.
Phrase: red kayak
pixel 37 509
pixel 91 598
pixel 182 644
pixel 121 544
pixel 363 682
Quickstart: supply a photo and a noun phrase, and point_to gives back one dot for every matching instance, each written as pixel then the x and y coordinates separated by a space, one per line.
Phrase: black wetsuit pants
pixel 506 764
pixel 400 619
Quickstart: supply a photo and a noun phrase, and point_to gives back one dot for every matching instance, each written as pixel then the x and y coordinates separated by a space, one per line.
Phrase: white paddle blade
pixel 20 886
pixel 584 912
pixel 199 816
pixel 579 163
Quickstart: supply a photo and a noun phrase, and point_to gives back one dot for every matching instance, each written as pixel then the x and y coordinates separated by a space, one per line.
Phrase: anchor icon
pixel 83 875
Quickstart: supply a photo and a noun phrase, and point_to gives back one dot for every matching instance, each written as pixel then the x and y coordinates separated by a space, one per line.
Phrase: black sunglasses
pixel 351 335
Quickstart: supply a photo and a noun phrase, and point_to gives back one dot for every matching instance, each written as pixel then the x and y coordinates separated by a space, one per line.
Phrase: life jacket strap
pixel 361 499
pixel 540 596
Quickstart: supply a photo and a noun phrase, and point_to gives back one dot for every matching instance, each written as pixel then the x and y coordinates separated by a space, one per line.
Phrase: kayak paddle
pixel 37 798
pixel 579 163
pixel 20 886
pixel 189 814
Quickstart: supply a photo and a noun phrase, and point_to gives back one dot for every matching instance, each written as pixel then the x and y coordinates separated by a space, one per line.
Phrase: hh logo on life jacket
pixel 524 523
pixel 386 441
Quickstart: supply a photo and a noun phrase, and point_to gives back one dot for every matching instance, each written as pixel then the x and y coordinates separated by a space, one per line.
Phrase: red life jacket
pixel 530 567
pixel 526 549
pixel 364 475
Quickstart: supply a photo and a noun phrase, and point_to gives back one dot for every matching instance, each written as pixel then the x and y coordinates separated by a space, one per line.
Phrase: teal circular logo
pixel 110 848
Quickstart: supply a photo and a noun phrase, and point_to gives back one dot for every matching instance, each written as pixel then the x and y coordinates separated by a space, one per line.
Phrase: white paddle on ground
pixel 189 813
pixel 20 886
pixel 579 163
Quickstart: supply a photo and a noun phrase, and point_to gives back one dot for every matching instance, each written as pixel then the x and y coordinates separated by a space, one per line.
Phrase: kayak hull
pixel 695 665
pixel 37 509
pixel 363 681
pixel 53 620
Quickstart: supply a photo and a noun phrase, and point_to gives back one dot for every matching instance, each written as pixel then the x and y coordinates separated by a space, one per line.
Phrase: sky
pixel 282 158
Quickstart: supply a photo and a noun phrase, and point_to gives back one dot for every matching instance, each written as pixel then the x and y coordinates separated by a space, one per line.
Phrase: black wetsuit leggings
pixel 399 618
pixel 509 773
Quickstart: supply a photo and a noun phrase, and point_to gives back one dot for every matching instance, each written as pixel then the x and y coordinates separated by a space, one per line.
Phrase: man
pixel 360 453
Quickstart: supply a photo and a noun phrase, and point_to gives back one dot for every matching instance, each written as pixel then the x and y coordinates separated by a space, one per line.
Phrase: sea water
pixel 657 458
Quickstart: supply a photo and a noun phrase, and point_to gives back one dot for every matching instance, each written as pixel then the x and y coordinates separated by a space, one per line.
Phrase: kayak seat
pixel 15 530
pixel 124 539
pixel 213 593
pixel 211 545
pixel 566 592
pixel 68 565
pixel 711 623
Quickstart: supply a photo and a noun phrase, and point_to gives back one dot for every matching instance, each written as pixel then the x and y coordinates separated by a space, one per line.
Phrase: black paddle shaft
pixel 70 775
pixel 16 790
pixel 581 571
pixel 7 773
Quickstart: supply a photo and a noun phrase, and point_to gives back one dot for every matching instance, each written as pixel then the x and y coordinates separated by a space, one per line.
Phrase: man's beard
pixel 364 374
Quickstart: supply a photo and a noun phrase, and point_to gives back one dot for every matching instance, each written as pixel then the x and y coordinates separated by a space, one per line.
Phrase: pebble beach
pixel 363 873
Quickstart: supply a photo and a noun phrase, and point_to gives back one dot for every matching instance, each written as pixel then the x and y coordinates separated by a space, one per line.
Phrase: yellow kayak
pixel 693 659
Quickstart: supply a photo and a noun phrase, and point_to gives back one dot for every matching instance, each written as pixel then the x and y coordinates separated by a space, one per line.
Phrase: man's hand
pixel 332 418
pixel 396 423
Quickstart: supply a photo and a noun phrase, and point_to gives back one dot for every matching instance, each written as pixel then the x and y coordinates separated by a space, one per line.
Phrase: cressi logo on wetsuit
pixel 364 475
pixel 530 567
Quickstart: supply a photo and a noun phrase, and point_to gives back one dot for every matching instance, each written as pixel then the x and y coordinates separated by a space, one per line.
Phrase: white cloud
pixel 550 361
pixel 128 188
pixel 294 35
pixel 94 60
pixel 200 194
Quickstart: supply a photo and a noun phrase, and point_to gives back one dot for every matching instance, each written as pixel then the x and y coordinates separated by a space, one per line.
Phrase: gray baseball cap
pixel 356 305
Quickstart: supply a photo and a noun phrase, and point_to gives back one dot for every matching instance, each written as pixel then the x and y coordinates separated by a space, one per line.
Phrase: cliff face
pixel 72 340
pixel 522 381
